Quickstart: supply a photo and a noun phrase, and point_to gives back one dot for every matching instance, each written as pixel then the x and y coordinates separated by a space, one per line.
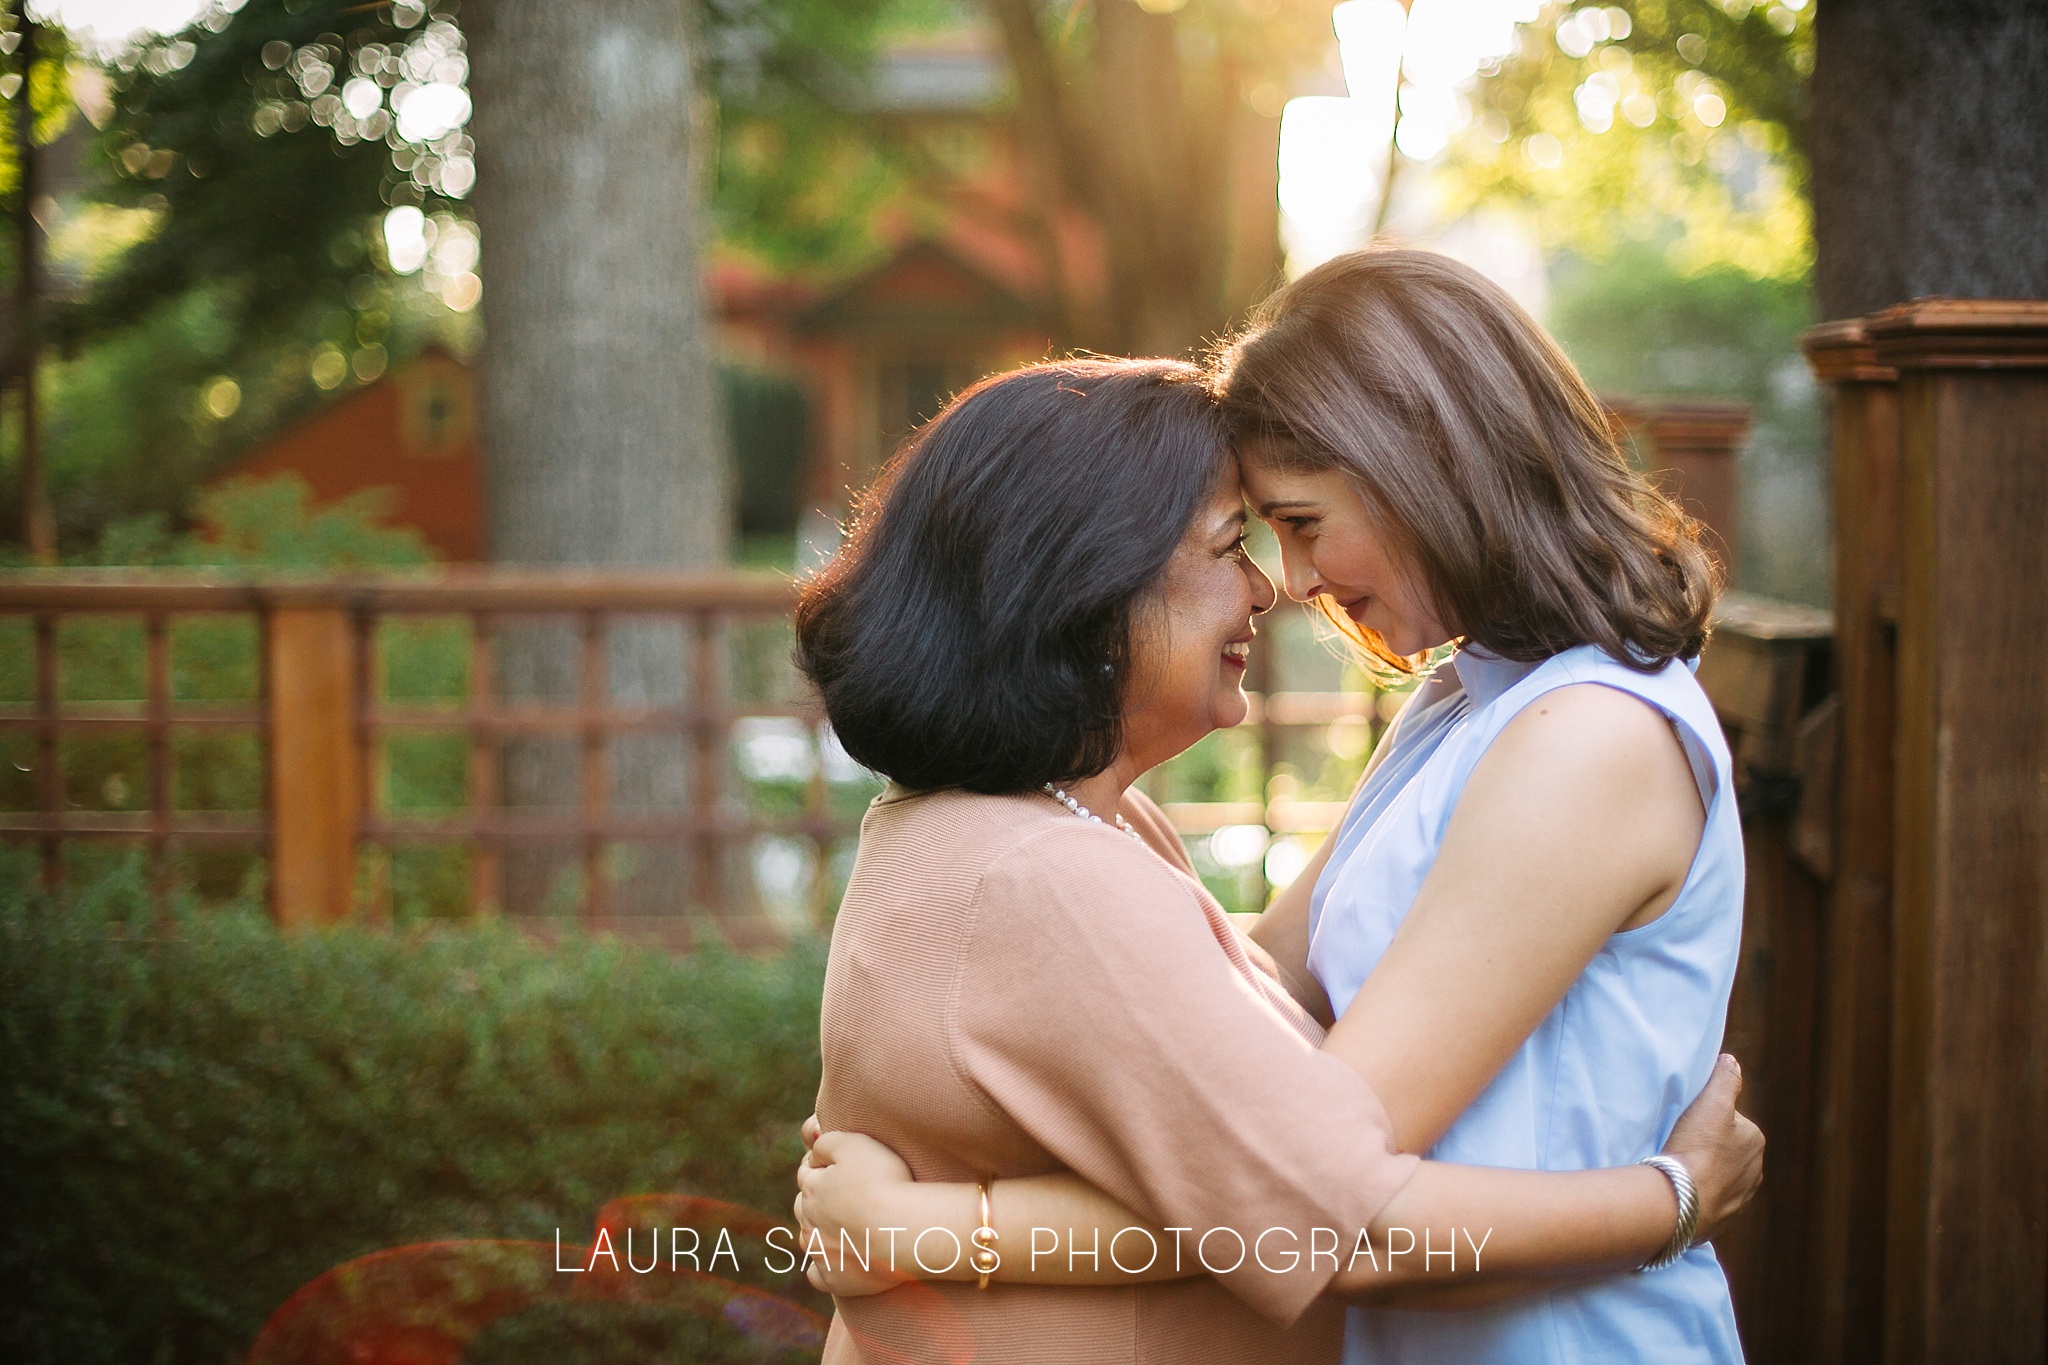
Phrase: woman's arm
pixel 1581 819
pixel 851 1190
pixel 1282 931
pixel 1512 1231
pixel 854 1192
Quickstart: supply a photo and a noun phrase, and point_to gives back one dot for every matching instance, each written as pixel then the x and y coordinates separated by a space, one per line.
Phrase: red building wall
pixel 413 431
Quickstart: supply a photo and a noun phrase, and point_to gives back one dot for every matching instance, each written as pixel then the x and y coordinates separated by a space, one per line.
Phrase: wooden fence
pixel 321 715
pixel 322 719
pixel 1892 1008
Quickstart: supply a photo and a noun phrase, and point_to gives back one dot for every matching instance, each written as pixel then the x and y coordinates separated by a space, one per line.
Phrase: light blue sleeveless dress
pixel 1606 1074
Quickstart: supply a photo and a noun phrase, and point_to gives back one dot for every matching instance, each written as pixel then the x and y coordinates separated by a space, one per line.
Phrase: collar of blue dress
pixel 1485 675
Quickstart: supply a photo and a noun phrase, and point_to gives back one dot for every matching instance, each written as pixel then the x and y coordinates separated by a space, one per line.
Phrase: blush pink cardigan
pixel 1013 990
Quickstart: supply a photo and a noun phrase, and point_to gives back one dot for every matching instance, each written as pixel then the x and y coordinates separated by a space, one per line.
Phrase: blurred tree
pixel 1683 121
pixel 1158 121
pixel 601 428
pixel 265 142
pixel 241 139
pixel 1930 152
pixel 34 88
pixel 242 234
pixel 226 265
pixel 804 171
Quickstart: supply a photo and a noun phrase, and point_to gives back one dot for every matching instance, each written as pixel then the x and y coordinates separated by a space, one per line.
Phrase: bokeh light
pixel 223 397
pixel 109 25
pixel 443 248
pixel 1407 73
pixel 1238 846
pixel 405 239
pixel 1372 38
pixel 413 96
pixel 1285 860
pixel 1327 185
pixel 329 367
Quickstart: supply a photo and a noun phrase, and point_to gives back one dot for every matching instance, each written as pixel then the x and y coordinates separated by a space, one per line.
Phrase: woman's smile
pixel 1204 609
pixel 1331 547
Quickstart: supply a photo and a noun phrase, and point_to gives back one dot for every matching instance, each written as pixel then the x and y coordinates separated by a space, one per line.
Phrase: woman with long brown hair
pixel 1528 919
pixel 1553 832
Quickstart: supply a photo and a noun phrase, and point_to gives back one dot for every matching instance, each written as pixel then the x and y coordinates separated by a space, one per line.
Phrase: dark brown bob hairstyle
pixel 1485 459
pixel 975 630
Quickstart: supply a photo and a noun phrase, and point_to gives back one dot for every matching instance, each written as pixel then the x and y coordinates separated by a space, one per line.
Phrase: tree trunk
pixel 603 443
pixel 1164 192
pixel 1154 143
pixel 1929 144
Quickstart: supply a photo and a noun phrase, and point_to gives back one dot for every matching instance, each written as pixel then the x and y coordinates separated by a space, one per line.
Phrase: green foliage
pixel 225 133
pixel 228 239
pixel 49 91
pixel 205 1114
pixel 1634 324
pixel 1657 148
pixel 140 417
pixel 799 188
pixel 804 172
pixel 1755 58
pixel 1681 123
pixel 230 243
pixel 265 186
pixel 271 523
pixel 248 251
pixel 122 427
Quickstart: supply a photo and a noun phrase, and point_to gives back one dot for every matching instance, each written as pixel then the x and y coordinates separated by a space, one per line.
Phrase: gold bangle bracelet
pixel 985 1260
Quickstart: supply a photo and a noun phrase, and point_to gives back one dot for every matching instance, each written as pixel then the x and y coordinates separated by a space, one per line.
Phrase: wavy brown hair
pixel 1480 451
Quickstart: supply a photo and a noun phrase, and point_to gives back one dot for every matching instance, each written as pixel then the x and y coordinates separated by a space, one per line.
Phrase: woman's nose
pixel 1263 596
pixel 1303 582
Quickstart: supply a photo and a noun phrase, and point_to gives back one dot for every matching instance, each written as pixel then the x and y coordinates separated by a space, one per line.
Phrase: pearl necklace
pixel 1077 808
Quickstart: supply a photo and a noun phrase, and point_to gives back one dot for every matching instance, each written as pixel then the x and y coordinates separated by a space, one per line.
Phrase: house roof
pixel 927 288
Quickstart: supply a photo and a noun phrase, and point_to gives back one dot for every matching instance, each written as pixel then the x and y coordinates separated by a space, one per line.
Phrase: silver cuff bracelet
pixel 1688 1210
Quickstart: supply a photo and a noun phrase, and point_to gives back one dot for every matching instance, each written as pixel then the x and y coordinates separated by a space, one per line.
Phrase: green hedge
pixel 201 1117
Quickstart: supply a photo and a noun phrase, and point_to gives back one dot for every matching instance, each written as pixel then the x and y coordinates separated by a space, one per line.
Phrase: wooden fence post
pixel 49 750
pixel 1853 1099
pixel 314 776
pixel 1765 670
pixel 1695 446
pixel 1967 1243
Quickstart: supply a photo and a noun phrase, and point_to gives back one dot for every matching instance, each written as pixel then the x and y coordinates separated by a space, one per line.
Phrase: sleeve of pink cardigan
pixel 1096 1008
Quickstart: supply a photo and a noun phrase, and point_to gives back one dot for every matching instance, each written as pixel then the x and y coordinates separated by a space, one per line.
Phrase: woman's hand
pixel 1722 1150
pixel 842 1178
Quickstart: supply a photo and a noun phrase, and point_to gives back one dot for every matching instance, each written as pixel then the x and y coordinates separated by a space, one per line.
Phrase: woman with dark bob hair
pixel 1032 1000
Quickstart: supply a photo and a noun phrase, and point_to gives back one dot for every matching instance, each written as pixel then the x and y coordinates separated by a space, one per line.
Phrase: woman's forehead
pixel 1225 504
pixel 1261 451
pixel 1260 483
